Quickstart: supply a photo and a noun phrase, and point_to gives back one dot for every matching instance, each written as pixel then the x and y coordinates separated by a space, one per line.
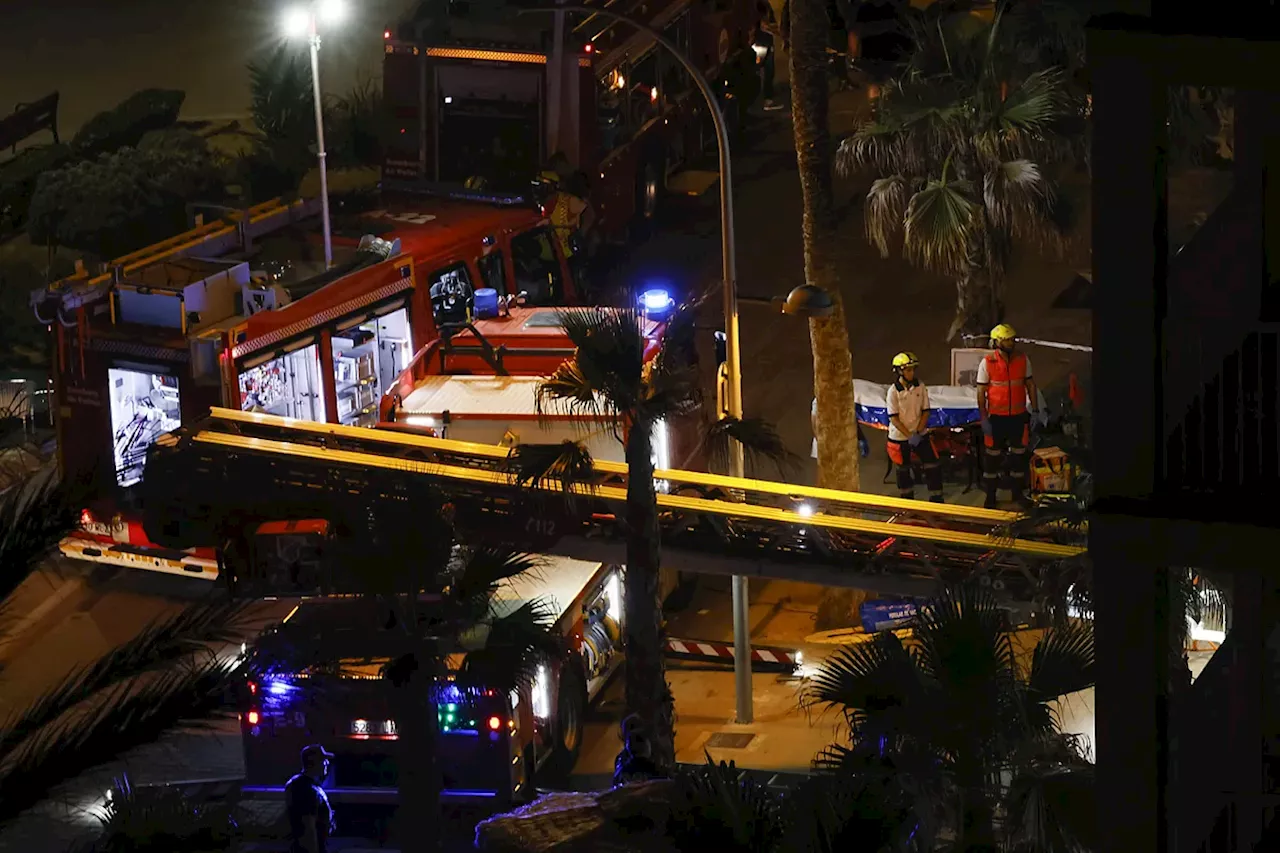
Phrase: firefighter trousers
pixel 901 453
pixel 1006 451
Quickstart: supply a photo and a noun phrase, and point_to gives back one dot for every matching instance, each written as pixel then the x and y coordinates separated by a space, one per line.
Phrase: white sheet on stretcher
pixel 950 406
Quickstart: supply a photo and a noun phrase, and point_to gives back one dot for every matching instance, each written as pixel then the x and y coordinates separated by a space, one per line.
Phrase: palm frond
pixel 129 714
pixel 35 515
pixel 715 809
pixel 1061 663
pixel 964 645
pixel 758 439
pixel 568 391
pixel 566 467
pixel 484 569
pixel 875 685
pixel 1051 809
pixel 1019 200
pixel 942 222
pixel 609 353
pixel 507 651
pixel 196 630
pixel 886 212
pixel 863 807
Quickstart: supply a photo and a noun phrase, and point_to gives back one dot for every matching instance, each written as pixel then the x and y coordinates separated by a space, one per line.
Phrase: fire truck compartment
pixel 501 410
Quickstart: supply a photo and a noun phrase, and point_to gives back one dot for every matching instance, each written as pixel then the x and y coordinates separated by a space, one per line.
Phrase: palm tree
pixel 37 511
pixel 283 109
pixel 834 425
pixel 962 147
pixel 171 672
pixel 609 375
pixel 412 639
pixel 962 725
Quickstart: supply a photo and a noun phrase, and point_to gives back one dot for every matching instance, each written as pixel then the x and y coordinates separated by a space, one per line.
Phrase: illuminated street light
pixel 332 11
pixel 298 22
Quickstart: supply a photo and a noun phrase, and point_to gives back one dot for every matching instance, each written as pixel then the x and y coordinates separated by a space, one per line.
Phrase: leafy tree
pixel 125 200
pixel 609 374
pixel 964 145
pixel 953 716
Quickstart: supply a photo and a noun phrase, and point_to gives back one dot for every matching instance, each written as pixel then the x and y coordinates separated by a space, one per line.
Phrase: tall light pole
pixel 732 367
pixel 302 21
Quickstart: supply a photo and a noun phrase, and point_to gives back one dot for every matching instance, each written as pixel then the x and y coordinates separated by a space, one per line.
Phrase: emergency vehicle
pixel 242 316
pixel 492 744
pixel 477 90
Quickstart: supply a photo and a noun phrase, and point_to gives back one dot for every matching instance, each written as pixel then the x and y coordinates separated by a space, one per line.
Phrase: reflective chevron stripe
pixel 766 657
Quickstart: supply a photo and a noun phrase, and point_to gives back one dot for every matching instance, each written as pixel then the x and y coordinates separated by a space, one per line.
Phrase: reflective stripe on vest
pixel 563 222
pixel 1007 393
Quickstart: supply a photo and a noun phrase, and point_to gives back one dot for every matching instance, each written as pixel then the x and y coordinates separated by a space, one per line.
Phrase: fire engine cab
pixel 492 743
pixel 246 316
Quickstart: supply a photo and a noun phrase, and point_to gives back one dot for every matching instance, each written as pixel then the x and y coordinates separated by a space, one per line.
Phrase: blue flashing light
pixel 656 300
pixel 279 688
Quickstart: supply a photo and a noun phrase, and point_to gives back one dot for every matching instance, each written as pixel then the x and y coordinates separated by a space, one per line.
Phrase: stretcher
pixel 953 418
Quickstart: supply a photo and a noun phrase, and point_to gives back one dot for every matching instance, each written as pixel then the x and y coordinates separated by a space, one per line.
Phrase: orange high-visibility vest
pixel 1007 393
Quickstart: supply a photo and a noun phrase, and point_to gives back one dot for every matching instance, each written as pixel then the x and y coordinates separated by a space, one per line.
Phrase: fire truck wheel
pixel 571 712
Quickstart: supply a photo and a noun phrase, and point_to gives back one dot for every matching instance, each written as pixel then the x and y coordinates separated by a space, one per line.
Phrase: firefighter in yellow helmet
pixel 907 404
pixel 570 212
pixel 1005 388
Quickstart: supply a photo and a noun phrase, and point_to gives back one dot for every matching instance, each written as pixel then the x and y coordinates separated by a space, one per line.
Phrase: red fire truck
pixel 476 89
pixel 235 316
pixel 491 744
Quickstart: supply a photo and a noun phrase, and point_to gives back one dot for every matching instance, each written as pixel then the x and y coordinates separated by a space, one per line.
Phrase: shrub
pixel 162 820
pixel 18 179
pixel 133 118
pixel 123 201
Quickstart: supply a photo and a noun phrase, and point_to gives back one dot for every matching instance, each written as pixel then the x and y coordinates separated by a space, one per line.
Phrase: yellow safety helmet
pixel 905 359
pixel 548 176
pixel 475 182
pixel 1003 332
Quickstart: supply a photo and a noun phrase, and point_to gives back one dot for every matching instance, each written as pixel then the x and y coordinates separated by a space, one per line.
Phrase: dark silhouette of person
pixel 307 805
pixel 635 762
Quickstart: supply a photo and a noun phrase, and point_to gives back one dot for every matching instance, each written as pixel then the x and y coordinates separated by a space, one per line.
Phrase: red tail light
pixel 253 718
pixel 253 688
pixel 495 723
pixel 386 34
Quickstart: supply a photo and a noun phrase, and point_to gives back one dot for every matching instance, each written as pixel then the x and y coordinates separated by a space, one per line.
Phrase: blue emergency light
pixel 656 301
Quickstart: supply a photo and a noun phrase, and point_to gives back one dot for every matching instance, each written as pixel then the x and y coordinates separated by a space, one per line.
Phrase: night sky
pixel 97 52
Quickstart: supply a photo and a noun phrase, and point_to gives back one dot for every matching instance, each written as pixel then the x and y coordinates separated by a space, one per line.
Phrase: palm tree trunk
pixel 418 813
pixel 647 692
pixel 834 424
pixel 978 304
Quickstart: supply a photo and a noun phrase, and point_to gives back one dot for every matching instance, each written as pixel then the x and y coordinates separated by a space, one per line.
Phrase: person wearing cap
pixel 1004 388
pixel 307 805
pixel 907 404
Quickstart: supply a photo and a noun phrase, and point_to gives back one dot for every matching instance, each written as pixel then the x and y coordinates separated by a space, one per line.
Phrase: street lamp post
pixel 732 366
pixel 303 21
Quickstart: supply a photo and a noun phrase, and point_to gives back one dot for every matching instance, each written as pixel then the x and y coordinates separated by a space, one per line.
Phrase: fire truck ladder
pixel 710 523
